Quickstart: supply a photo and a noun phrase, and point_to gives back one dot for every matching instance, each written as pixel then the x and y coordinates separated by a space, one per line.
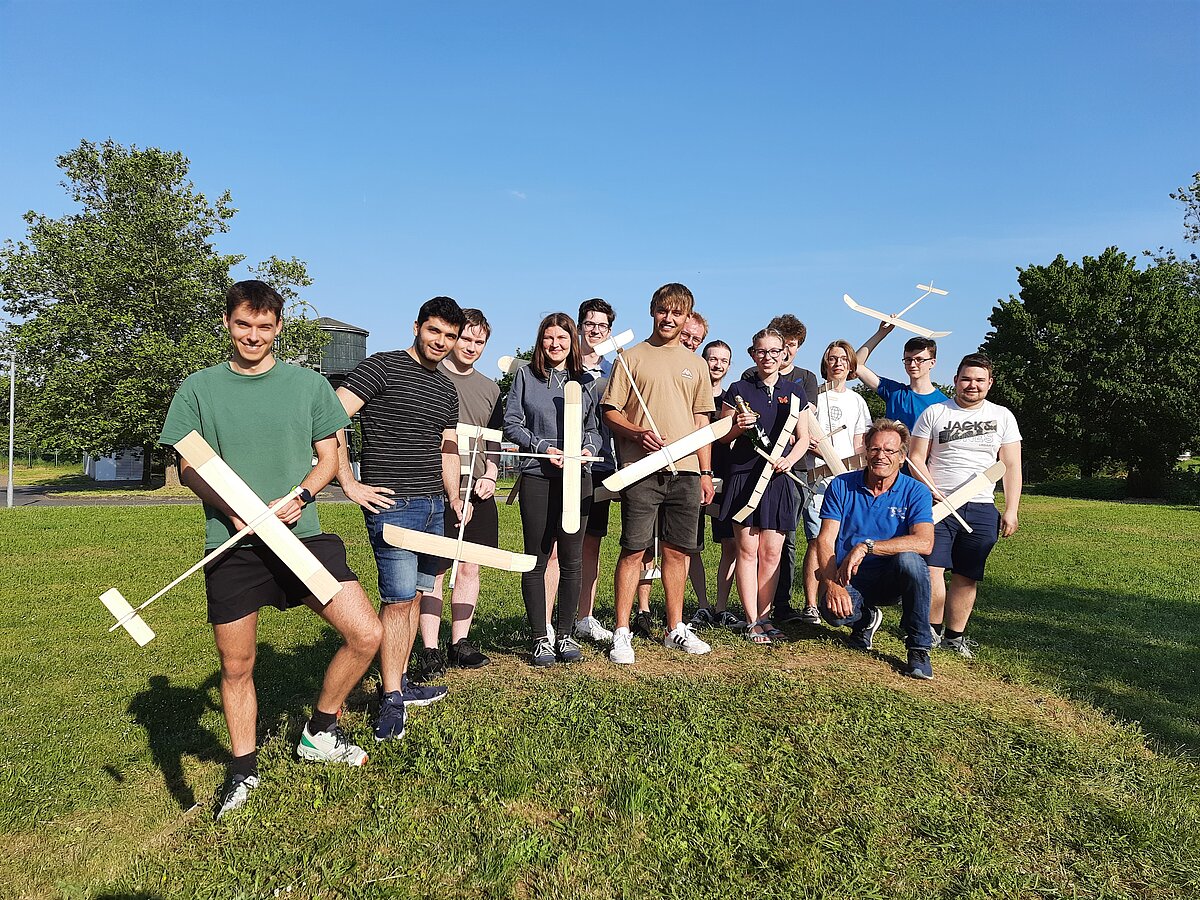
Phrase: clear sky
pixel 522 157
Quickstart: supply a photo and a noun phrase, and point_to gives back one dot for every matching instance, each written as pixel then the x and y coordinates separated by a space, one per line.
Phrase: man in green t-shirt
pixel 267 420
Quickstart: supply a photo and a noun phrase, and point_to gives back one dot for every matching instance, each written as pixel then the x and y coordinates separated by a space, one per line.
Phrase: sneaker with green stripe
pixel 330 747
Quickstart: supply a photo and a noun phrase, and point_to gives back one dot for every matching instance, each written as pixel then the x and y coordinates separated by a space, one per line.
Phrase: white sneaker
pixel 591 629
pixel 681 637
pixel 330 746
pixel 622 648
pixel 237 792
pixel 550 636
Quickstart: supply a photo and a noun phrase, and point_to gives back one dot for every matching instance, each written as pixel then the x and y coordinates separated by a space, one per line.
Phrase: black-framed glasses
pixel 595 326
pixel 763 351
pixel 919 360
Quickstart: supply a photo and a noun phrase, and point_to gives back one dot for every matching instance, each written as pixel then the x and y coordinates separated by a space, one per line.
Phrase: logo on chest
pixel 687 373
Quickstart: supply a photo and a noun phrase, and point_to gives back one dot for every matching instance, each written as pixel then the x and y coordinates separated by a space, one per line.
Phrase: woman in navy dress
pixel 760 538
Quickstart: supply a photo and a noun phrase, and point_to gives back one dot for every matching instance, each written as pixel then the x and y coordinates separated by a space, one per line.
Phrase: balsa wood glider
pixel 824 445
pixel 895 319
pixel 764 477
pixel 446 547
pixel 510 365
pixel 614 345
pixel 572 475
pixel 960 495
pixel 468 435
pixel 248 507
pixel 850 463
pixel 128 617
pixel 676 450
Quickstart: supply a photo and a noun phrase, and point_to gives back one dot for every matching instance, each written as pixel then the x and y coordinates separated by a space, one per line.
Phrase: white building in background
pixel 124 465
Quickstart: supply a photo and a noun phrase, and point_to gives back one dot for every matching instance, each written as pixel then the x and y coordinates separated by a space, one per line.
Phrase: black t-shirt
pixel 406 409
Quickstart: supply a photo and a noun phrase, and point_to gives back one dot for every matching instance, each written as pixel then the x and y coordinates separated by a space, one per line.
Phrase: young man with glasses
pixel 876 526
pixel 903 402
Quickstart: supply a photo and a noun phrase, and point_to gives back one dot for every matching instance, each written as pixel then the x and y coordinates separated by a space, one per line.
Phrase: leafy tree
pixel 301 340
pixel 1190 198
pixel 119 301
pixel 1099 362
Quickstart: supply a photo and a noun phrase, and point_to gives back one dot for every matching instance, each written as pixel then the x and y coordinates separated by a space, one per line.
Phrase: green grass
pixel 1061 763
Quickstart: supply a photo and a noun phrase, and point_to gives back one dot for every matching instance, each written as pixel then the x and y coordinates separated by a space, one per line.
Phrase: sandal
pixel 770 630
pixel 761 638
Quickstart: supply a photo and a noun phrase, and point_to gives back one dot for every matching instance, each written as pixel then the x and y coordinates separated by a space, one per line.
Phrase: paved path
pixel 44 495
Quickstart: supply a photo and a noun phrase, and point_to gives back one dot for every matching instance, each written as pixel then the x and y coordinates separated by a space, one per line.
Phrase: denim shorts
pixel 402 573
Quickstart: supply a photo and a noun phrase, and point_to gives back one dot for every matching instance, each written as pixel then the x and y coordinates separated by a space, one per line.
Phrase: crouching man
pixel 876 524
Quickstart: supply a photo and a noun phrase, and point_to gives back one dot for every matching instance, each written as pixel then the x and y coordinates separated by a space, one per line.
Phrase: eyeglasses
pixel 763 351
pixel 834 360
pixel 919 360
pixel 883 451
pixel 595 326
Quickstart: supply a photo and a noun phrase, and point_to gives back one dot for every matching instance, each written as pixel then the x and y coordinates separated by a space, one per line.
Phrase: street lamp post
pixel 12 421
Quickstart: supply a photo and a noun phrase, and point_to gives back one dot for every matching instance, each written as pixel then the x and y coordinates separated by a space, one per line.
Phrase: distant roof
pixel 335 325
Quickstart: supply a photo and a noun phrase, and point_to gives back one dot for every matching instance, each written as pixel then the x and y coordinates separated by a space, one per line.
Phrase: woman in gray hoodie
pixel 533 419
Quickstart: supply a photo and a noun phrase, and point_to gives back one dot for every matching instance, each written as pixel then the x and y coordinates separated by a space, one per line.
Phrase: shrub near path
pixel 807 771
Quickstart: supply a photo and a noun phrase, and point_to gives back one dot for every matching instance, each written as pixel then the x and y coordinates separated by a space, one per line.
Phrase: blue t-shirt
pixel 863 515
pixel 904 404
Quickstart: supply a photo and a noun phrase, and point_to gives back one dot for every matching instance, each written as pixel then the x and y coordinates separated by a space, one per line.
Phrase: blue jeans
pixel 903 579
pixel 402 573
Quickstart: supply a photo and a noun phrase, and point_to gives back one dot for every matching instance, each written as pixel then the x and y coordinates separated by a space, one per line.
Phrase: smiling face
pixel 469 346
pixel 434 339
pixel 837 364
pixel 767 354
pixel 595 328
pixel 692 334
pixel 719 361
pixel 253 334
pixel 556 344
pixel 885 454
pixel 971 386
pixel 668 323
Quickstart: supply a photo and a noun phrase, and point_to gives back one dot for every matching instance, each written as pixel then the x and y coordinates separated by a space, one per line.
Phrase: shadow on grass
pixel 287 683
pixel 1134 656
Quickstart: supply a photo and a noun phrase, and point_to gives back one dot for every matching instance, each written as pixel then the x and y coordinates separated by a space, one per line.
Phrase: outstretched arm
pixel 865 375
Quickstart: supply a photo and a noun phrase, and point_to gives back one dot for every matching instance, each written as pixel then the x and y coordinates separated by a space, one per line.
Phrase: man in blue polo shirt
pixel 876 524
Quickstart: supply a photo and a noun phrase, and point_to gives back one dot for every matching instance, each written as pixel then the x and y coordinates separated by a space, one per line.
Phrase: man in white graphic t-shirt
pixel 952 443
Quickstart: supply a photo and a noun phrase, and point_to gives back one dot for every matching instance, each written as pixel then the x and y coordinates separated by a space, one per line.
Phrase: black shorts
pixel 482 528
pixel 965 553
pixel 670 501
pixel 597 521
pixel 245 579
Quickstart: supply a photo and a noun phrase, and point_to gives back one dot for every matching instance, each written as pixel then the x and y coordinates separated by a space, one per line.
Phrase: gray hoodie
pixel 533 418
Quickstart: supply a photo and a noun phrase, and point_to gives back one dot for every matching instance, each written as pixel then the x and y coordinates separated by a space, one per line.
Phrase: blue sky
pixel 522 157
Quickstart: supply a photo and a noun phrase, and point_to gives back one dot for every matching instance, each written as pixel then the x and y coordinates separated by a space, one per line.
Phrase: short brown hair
pixel 851 357
pixel 597 305
pixel 258 295
pixel 790 327
pixel 673 296
pixel 475 317
pixel 703 321
pixel 882 425
pixel 917 344
pixel 977 361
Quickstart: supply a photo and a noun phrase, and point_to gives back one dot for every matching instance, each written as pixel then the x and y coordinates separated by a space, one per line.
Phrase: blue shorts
pixel 810 513
pixel 962 553
pixel 402 573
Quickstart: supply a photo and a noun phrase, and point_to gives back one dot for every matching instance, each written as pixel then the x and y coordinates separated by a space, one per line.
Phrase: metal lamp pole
pixel 12 421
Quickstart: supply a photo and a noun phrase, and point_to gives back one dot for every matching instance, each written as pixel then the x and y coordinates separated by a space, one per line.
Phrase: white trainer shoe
pixel 591 629
pixel 550 635
pixel 681 637
pixel 622 648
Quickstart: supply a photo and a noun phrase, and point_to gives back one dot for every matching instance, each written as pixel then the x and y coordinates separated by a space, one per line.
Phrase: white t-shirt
pixel 964 442
pixel 834 409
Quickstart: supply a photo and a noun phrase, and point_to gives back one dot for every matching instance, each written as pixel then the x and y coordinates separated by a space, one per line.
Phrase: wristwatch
pixel 708 472
pixel 870 545
pixel 306 496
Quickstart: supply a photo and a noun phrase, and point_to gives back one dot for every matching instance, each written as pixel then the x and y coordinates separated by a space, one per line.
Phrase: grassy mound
pixel 1062 763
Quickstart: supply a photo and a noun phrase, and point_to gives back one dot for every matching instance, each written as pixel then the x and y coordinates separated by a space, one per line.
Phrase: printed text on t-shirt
pixel 957 431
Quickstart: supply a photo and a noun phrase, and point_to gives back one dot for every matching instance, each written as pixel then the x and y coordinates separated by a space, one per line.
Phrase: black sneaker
pixel 729 620
pixel 861 637
pixel 919 665
pixel 568 650
pixel 703 618
pixel 786 614
pixel 430 664
pixel 465 655
pixel 643 626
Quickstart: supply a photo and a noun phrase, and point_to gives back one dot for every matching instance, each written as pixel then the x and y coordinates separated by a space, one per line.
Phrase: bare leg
pixel 725 573
pixel 674 577
pixel 463 600
pixel 646 585
pixel 591 575
pixel 551 583
pixel 810 575
pixel 625 584
pixel 431 614
pixel 699 580
pixel 400 622
pixel 937 595
pixel 770 547
pixel 237 643
pixel 960 602
pixel 746 571
pixel 353 616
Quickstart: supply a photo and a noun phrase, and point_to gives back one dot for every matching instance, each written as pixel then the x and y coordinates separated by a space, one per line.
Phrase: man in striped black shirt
pixel 410 470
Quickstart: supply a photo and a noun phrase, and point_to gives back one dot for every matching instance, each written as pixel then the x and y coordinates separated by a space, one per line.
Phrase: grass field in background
pixel 1061 763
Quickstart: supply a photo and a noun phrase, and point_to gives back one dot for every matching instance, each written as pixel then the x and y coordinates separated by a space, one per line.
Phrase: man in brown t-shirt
pixel 673 382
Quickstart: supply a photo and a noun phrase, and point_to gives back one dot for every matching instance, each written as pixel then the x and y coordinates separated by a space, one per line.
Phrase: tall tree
pixel 301 340
pixel 118 302
pixel 1099 361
